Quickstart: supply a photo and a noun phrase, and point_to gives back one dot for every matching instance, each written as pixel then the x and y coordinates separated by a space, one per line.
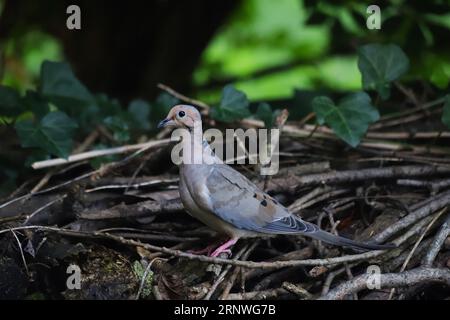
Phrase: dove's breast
pixel 191 182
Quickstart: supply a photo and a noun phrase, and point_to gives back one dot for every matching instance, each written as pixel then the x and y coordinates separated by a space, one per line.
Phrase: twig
pixel 90 139
pixel 236 271
pixel 367 174
pixel 99 153
pixel 43 208
pixel 183 97
pixel 298 204
pixel 144 277
pixel 390 280
pixel 265 294
pixel 43 181
pixel 222 275
pixel 133 185
pixel 432 205
pixel 177 253
pixel 411 253
pixel 329 280
pixel 21 252
pixel 434 185
pixel 302 254
pixel 408 93
pixel 437 243
pixel 145 208
pixel 99 172
pixel 297 290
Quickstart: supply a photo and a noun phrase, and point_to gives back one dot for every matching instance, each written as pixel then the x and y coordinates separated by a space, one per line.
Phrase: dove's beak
pixel 166 123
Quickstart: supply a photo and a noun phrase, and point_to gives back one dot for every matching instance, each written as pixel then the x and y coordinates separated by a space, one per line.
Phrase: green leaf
pixel 164 102
pixel 119 127
pixel 139 111
pixel 35 103
pixel 350 119
pixel 264 113
pixel 380 65
pixel 61 87
pixel 233 105
pixel 446 112
pixel 107 106
pixel 94 114
pixel 52 133
pixel 10 105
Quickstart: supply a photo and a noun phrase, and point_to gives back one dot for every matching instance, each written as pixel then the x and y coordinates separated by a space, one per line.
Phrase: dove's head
pixel 183 116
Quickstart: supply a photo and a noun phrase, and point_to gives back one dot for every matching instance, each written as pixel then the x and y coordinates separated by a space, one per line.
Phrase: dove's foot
pixel 206 250
pixel 224 248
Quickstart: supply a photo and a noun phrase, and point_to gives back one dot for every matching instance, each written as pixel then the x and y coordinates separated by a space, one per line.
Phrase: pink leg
pixel 224 247
pixel 206 250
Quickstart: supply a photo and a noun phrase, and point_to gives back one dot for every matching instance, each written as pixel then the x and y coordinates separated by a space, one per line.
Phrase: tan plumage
pixel 228 202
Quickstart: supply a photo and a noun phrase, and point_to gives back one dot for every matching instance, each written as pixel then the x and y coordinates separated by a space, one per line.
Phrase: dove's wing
pixel 231 196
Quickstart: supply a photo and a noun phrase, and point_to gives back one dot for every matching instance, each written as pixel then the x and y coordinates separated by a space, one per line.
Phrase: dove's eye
pixel 181 114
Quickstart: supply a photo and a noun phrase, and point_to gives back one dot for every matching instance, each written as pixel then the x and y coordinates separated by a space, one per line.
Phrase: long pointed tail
pixel 327 237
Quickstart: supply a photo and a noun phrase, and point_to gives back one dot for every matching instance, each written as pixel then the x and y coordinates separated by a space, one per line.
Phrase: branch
pixel 99 153
pixel 178 253
pixel 182 97
pixel 437 243
pixel 145 208
pixel 389 280
pixel 430 206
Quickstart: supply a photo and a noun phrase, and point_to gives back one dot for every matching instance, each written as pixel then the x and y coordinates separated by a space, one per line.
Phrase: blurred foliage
pixel 446 112
pixel 269 48
pixel 299 52
pixel 24 56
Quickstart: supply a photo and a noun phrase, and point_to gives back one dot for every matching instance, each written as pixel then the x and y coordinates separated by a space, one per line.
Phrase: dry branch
pixel 390 280
pixel 99 153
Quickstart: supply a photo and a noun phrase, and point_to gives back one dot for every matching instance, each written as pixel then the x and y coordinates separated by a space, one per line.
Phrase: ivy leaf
pixel 349 119
pixel 264 113
pixel 233 105
pixel 93 114
pixel 119 127
pixel 53 133
pixel 61 87
pixel 164 102
pixel 139 111
pixel 35 103
pixel 446 112
pixel 107 106
pixel 380 65
pixel 10 105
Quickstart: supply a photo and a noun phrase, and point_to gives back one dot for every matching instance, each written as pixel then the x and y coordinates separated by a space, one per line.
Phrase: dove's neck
pixel 192 147
pixel 196 150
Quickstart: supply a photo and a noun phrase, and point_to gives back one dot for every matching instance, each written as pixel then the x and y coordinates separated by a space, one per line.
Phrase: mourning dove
pixel 226 201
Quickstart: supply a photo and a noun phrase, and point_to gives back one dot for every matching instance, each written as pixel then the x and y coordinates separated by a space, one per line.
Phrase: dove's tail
pixel 344 242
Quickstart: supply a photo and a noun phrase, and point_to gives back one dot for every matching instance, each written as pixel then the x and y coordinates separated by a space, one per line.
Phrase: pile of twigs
pixel 394 187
